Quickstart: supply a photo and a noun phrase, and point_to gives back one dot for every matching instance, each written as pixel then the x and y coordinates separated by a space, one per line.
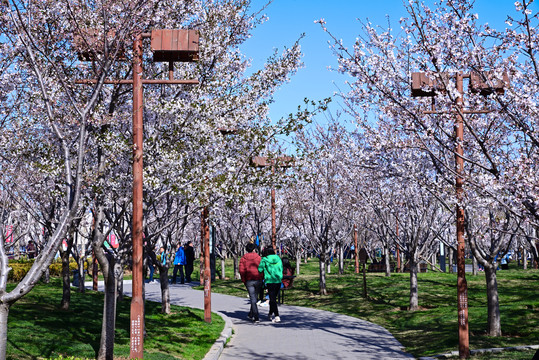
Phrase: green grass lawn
pixel 432 329
pixel 38 329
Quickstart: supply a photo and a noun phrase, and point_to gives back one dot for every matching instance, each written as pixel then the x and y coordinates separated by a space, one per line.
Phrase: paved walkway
pixel 303 333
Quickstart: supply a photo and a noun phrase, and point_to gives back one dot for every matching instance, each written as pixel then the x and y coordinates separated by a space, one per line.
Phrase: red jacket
pixel 249 267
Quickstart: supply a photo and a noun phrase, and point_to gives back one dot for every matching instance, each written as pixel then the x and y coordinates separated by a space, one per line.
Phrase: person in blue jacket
pixel 179 262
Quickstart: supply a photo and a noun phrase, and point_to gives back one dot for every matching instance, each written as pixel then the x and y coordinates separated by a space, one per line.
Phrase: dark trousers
pixel 175 272
pixel 262 296
pixel 253 287
pixel 273 290
pixel 188 271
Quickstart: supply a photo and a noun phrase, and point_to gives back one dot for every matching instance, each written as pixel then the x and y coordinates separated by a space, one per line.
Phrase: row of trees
pixel 410 149
pixel 383 164
pixel 65 147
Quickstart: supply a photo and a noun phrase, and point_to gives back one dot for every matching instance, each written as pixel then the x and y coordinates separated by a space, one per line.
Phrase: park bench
pixel 381 267
pixel 423 267
pixel 377 267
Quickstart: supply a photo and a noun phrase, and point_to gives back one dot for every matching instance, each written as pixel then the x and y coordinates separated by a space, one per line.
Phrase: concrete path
pixel 303 333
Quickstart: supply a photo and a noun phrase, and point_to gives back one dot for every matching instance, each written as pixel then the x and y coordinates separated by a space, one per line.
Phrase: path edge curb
pixel 481 351
pixel 217 348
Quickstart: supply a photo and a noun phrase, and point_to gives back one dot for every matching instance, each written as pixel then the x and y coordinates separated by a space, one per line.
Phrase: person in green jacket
pixel 272 267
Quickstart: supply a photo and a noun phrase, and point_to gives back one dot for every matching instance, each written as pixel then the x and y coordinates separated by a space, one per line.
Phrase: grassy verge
pixel 38 329
pixel 432 329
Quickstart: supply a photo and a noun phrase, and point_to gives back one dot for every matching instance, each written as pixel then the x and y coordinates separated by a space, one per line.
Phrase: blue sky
pixel 288 19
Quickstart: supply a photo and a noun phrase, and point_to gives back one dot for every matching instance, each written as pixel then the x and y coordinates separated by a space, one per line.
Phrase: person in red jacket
pixel 251 278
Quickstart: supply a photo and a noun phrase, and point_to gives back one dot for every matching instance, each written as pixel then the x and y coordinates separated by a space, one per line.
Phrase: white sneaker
pixel 277 319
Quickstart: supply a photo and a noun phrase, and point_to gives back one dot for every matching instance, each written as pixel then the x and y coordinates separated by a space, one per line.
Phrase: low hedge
pixel 19 268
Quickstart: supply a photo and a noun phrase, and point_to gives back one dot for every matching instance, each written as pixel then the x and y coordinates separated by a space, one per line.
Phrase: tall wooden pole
pixel 202 226
pixel 273 220
pixel 207 270
pixel 137 304
pixel 462 287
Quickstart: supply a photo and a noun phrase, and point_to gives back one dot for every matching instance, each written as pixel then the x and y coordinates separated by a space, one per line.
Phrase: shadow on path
pixel 303 333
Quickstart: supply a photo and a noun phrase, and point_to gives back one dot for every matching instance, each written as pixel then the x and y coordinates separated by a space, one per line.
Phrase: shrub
pixel 19 270
pixel 21 267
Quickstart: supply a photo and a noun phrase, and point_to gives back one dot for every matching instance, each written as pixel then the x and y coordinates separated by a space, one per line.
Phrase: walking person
pixel 252 278
pixel 272 267
pixel 189 260
pixel 179 262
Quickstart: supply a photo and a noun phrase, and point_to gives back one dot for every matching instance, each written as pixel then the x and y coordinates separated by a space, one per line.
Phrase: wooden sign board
pixel 175 45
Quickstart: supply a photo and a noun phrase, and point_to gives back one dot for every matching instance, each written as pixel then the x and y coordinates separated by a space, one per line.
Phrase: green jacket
pixel 272 267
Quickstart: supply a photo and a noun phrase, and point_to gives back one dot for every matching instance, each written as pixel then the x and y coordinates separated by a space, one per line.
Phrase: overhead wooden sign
pixel 175 45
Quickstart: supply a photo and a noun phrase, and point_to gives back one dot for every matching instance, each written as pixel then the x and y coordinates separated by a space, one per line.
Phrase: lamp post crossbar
pixel 431 112
pixel 143 81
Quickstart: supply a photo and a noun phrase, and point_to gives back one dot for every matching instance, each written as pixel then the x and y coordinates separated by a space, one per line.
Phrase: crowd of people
pixel 263 276
pixel 184 259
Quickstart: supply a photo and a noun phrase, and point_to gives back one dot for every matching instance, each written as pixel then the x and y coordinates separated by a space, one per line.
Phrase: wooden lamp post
pixel 169 46
pixel 263 161
pixel 425 86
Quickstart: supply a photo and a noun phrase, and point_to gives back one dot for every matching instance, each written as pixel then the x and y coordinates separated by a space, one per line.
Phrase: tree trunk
pixel 95 273
pixel 414 302
pixel 298 261
pixel 82 274
pixel 387 262
pixel 493 320
pixel 236 267
pixel 341 260
pixel 322 265
pixel 474 265
pixel 106 345
pixel 223 263
pixel 525 259
pixel 4 313
pixel 47 276
pixel 165 290
pixel 120 286
pixel 66 286
pixel 450 258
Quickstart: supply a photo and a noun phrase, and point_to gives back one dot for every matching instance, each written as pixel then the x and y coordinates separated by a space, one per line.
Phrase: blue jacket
pixel 179 259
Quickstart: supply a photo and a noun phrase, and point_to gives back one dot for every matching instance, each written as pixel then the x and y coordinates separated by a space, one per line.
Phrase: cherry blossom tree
pixel 491 233
pixel 443 41
pixel 42 112
pixel 58 122
pixel 319 192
